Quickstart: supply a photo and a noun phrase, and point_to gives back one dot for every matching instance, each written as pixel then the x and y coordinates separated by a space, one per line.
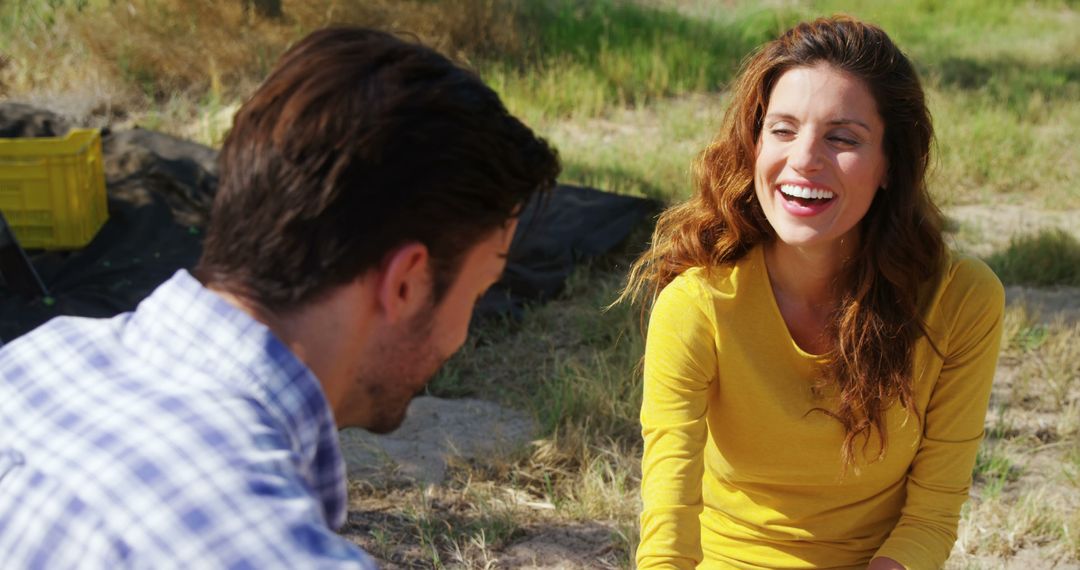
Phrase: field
pixel 629 92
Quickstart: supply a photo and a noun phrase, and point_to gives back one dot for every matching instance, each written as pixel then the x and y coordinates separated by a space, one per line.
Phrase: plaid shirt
pixel 183 434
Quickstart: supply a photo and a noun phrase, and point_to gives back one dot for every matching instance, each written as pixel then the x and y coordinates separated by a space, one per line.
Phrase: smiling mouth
pixel 804 196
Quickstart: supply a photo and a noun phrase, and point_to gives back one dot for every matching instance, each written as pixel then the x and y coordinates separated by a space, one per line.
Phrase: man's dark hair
pixel 359 142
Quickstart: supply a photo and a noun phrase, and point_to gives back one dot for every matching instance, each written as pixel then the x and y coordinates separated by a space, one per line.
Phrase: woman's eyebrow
pixel 782 116
pixel 841 121
pixel 845 121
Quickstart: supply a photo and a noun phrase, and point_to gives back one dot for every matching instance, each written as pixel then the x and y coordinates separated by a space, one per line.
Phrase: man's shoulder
pixel 186 483
pixel 67 352
pixel 81 403
pixel 74 365
pixel 152 454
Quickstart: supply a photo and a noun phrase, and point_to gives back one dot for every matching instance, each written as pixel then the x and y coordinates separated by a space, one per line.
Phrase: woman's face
pixel 820 158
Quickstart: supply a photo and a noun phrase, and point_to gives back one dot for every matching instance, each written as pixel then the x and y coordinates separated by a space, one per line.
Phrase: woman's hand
pixel 882 563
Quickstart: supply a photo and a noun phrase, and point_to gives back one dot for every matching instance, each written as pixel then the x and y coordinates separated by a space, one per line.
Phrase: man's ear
pixel 405 284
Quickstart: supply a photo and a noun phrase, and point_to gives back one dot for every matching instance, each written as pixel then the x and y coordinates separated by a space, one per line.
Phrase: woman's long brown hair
pixel 876 322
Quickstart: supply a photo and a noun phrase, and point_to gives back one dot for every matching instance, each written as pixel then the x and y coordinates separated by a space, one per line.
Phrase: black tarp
pixel 160 189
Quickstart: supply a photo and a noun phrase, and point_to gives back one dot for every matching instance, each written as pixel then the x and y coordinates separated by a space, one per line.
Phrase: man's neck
pixel 317 333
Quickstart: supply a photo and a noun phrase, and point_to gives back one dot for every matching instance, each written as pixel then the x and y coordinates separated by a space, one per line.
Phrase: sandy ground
pixel 983 229
pixel 434 431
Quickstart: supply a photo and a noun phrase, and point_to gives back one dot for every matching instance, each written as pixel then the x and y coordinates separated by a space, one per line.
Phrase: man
pixel 368 196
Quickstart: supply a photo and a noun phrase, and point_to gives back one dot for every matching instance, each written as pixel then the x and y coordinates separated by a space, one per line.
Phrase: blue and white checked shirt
pixel 183 434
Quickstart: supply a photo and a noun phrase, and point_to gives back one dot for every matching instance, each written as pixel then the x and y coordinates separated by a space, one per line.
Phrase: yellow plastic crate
pixel 52 190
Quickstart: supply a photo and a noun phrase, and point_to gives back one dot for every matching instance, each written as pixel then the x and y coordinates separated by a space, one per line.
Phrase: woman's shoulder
pixel 965 274
pixel 719 281
pixel 968 286
pixel 718 292
pixel 710 277
pixel 704 285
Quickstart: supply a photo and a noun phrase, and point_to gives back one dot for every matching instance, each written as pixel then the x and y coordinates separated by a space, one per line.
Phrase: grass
pixel 630 91
pixel 1002 108
pixel 178 63
pixel 993 469
pixel 576 369
pixel 588 57
pixel 456 525
pixel 644 151
pixel 1026 485
pixel 1050 257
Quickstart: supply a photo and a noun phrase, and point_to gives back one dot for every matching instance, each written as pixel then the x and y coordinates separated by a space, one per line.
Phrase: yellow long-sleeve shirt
pixel 738 472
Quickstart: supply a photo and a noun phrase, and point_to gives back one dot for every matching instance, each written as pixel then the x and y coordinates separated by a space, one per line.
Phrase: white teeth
pixel 801 192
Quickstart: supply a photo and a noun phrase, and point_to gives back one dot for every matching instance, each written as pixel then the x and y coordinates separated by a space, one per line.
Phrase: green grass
pixel 1071 465
pixel 994 469
pixel 643 151
pixel 1050 257
pixel 1002 109
pixel 458 525
pixel 585 58
pixel 571 363
pixel 987 151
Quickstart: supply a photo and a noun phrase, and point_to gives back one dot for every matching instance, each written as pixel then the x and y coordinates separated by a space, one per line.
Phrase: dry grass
pixel 218 47
pixel 575 369
pixel 470 520
pixel 1026 498
pixel 107 60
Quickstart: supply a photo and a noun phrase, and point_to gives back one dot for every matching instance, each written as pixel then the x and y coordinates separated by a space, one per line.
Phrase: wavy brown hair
pixel 876 321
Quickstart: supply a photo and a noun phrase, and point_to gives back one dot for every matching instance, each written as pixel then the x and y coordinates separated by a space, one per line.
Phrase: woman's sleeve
pixel 680 365
pixel 940 475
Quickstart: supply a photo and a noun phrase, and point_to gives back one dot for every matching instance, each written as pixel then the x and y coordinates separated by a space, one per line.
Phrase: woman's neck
pixel 804 284
pixel 807 275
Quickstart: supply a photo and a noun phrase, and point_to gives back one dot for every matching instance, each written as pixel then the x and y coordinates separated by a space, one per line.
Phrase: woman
pixel 817 366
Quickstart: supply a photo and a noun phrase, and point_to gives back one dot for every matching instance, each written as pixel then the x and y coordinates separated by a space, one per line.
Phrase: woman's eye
pixel 782 132
pixel 844 141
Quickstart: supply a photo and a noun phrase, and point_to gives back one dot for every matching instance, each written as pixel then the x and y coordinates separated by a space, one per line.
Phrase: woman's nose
pixel 805 154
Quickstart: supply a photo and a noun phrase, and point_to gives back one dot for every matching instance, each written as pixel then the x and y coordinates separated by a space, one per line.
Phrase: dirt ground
pixel 981 230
